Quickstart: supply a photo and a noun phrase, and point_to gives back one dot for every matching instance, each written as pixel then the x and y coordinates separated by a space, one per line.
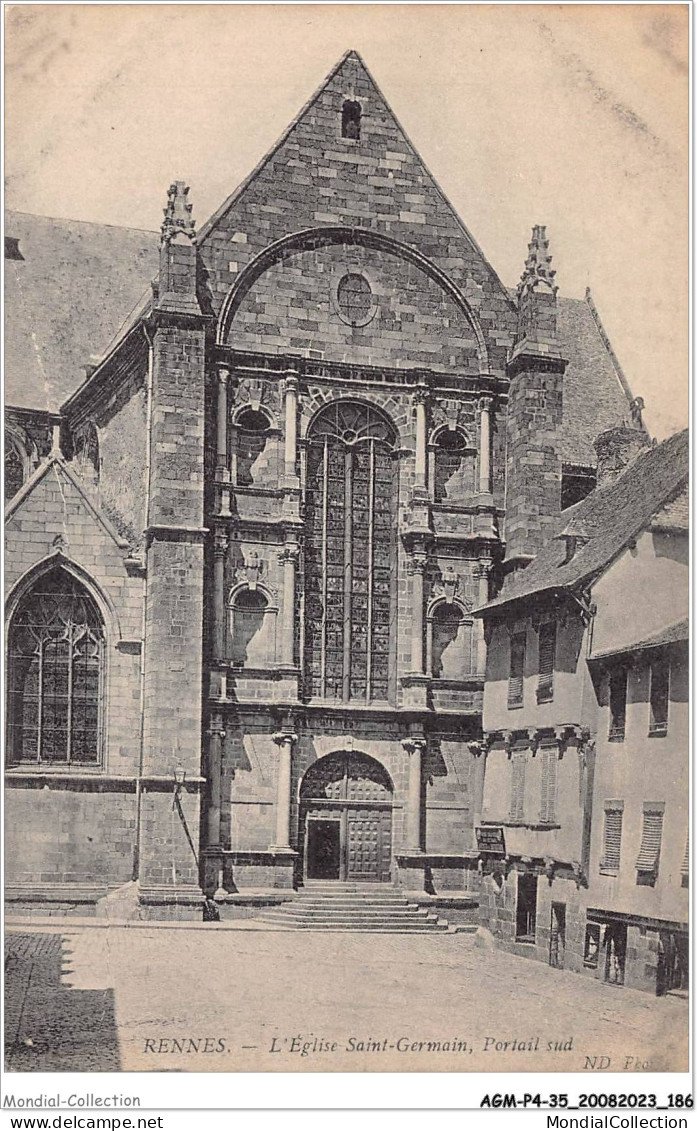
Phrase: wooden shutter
pixel 613 840
pixel 547 653
pixel 659 697
pixel 548 801
pixel 685 866
pixel 518 786
pixel 647 860
pixel 618 702
pixel 517 670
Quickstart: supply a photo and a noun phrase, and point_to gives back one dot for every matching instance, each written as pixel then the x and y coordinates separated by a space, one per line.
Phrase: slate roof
pixel 675 515
pixel 65 300
pixel 78 283
pixel 672 634
pixel 596 394
pixel 610 517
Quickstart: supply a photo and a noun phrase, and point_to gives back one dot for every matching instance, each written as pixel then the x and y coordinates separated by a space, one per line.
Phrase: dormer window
pixel 351 120
pixel 12 248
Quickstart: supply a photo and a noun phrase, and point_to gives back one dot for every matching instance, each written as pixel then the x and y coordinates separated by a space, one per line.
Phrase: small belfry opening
pixel 351 120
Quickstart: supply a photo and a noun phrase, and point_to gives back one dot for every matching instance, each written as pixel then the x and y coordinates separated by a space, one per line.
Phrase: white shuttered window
pixel 547 654
pixel 612 837
pixel 518 786
pixel 652 831
pixel 548 799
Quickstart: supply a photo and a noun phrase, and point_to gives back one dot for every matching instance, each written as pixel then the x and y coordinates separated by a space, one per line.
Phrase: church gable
pixel 316 177
pixel 358 304
pixel 53 515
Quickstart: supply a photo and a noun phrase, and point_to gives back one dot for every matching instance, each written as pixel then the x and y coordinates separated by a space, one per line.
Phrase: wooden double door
pixel 348 843
pixel 346 820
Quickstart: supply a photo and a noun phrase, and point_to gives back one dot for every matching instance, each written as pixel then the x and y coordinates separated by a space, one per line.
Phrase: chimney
pixel 616 449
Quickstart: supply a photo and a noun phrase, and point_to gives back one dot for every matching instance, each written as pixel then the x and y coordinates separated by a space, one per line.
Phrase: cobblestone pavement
pixel 157 999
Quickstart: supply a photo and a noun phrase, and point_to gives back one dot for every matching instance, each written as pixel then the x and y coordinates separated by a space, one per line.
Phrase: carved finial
pixel 538 272
pixel 178 221
pixel 636 408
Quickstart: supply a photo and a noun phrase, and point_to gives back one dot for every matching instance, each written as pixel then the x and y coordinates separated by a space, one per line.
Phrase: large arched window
pixel 351 510
pixel 56 674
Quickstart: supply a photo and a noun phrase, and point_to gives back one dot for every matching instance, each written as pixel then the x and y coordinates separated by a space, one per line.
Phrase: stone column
pixel 216 734
pixel 420 400
pixel 291 395
pixel 417 568
pixel 221 455
pixel 222 471
pixel 288 558
pixel 482 575
pixel 415 748
pixel 220 545
pixel 285 742
pixel 485 446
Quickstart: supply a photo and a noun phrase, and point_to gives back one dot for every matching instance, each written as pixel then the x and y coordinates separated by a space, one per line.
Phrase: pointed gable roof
pixel 313 177
pixel 56 462
pixel 610 517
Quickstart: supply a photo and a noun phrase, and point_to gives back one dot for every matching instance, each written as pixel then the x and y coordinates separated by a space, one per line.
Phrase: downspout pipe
pixel 149 337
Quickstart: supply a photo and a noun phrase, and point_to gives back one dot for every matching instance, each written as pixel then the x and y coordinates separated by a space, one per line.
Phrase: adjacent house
pixel 583 820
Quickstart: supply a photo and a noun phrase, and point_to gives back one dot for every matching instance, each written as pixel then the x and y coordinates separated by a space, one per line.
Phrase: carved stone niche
pixel 257 393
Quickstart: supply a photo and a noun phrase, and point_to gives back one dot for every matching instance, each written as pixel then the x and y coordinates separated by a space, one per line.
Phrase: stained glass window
pixel 56 659
pixel 351 510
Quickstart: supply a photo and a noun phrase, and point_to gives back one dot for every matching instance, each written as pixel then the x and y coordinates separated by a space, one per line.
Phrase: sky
pixel 573 116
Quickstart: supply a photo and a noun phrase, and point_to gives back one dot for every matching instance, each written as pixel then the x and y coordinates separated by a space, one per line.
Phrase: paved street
pixel 152 998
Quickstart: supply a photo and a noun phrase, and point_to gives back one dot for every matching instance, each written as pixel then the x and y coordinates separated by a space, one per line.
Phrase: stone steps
pixel 353 907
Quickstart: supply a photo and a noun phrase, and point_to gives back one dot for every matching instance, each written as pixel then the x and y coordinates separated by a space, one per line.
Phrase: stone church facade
pixel 245 544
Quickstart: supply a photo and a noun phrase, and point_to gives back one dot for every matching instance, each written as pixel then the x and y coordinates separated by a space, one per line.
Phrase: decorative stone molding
pixel 220 542
pixel 414 744
pixel 538 273
pixel 417 561
pixel 289 553
pixel 252 570
pixel 216 729
pixel 284 737
pixel 448 586
pixel 178 221
pixel 258 394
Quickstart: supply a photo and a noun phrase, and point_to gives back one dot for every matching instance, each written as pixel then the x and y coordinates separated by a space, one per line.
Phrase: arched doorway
pixel 346 819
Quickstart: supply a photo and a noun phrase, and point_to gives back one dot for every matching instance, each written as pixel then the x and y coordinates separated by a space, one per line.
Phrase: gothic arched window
pixel 56 674
pixel 14 470
pixel 351 511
